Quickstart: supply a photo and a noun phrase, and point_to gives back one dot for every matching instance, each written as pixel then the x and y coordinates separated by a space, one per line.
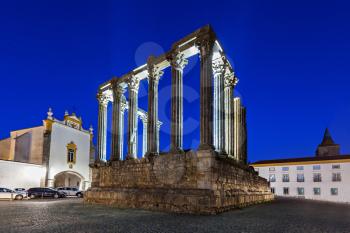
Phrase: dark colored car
pixel 44 193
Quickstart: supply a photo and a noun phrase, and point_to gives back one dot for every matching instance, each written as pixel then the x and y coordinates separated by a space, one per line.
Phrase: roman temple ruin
pixel 209 179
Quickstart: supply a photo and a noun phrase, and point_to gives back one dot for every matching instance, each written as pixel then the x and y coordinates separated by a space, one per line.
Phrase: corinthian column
pixel 178 62
pixel 219 111
pixel 154 74
pixel 102 127
pixel 206 92
pixel 237 128
pixel 133 85
pixel 116 121
pixel 121 126
pixel 229 83
pixel 144 134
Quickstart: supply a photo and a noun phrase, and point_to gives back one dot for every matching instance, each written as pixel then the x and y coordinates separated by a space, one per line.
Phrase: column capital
pixel 218 68
pixel 134 83
pixel 117 88
pixel 205 44
pixel 177 60
pixel 230 80
pixel 154 72
pixel 103 99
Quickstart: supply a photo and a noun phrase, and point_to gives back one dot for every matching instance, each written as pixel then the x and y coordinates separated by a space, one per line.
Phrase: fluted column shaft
pixel 117 116
pixel 121 130
pixel 102 127
pixel 237 128
pixel 178 62
pixel 133 86
pixel 229 82
pixel 159 124
pixel 144 135
pixel 206 94
pixel 219 108
pixel 154 74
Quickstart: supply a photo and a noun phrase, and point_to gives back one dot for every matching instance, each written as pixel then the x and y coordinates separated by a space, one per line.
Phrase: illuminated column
pixel 229 83
pixel 102 127
pixel 206 93
pixel 159 124
pixel 219 110
pixel 117 116
pixel 133 85
pixel 121 126
pixel 237 127
pixel 144 134
pixel 178 62
pixel 245 142
pixel 154 74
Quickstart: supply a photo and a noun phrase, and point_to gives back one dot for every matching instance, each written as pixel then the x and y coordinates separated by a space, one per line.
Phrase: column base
pixel 206 147
pixel 130 157
pixel 176 151
pixel 151 154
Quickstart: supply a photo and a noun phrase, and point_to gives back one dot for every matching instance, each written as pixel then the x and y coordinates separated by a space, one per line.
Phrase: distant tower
pixel 327 147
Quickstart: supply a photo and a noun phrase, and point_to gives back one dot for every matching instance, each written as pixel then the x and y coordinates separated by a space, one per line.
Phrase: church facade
pixel 55 154
pixel 325 176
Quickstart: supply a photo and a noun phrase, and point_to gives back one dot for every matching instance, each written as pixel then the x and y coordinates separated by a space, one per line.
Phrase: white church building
pixel 55 154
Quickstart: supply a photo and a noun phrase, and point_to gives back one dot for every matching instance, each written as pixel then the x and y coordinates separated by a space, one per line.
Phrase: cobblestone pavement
pixel 71 215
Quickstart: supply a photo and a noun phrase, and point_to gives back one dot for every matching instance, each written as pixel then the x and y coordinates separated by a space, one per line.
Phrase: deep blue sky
pixel 292 59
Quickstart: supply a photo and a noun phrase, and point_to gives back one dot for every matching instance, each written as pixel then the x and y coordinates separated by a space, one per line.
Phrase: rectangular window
pixel 273 190
pixel 317 177
pixel 285 178
pixel 300 191
pixel 300 178
pixel 286 191
pixel 272 178
pixel 336 177
pixel 336 166
pixel 285 169
pixel 300 168
pixel 317 191
pixel 316 167
pixel 334 191
pixel 271 169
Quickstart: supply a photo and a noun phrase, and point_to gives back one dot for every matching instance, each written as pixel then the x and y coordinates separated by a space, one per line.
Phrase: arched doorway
pixel 69 179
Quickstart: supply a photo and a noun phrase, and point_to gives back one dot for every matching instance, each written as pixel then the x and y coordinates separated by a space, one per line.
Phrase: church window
pixel 300 178
pixel 317 191
pixel 300 191
pixel 286 191
pixel 336 177
pixel 272 178
pixel 285 178
pixel 317 177
pixel 71 153
pixel 334 191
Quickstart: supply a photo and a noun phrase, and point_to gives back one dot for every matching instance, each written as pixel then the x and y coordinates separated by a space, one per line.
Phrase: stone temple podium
pixel 206 180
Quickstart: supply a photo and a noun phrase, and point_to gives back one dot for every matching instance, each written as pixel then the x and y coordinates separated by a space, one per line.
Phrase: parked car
pixel 44 192
pixel 21 191
pixel 71 191
pixel 6 193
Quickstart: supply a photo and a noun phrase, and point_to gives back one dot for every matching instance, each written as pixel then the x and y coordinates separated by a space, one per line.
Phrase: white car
pixel 9 194
pixel 21 191
pixel 71 191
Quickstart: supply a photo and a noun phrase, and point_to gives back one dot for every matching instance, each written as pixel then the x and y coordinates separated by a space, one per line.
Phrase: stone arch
pixel 69 179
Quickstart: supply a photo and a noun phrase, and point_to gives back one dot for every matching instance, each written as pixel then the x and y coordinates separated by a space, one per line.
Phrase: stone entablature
pixel 191 182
